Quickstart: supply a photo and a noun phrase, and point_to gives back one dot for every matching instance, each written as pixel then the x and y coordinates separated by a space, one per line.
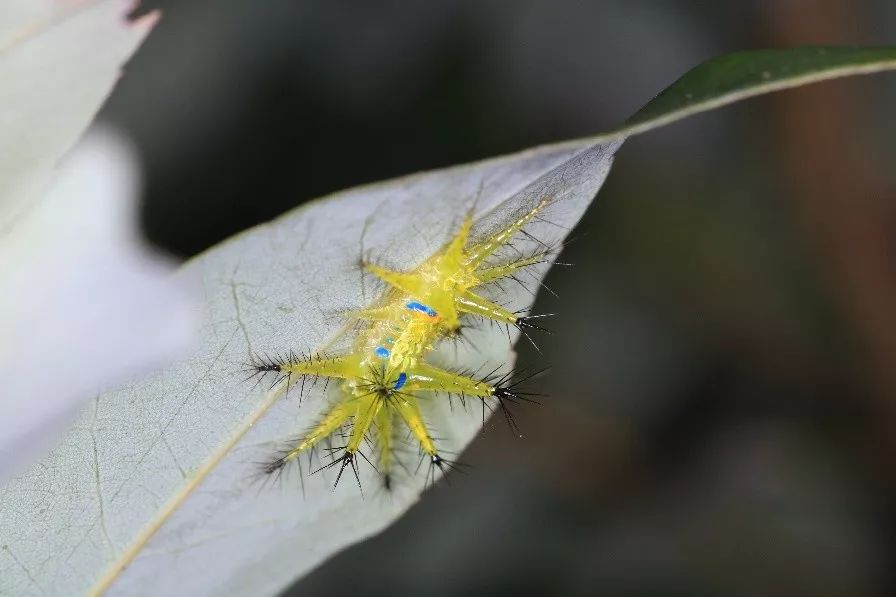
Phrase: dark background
pixel 721 418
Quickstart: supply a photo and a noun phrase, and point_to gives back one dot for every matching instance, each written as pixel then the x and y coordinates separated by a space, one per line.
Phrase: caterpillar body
pixel 385 372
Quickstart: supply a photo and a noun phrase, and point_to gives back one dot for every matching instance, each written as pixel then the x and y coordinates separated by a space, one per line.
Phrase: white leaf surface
pixel 59 59
pixel 78 289
pixel 75 286
pixel 155 491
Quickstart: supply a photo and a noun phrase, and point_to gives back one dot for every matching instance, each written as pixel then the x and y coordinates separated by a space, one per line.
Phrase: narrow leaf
pixel 740 75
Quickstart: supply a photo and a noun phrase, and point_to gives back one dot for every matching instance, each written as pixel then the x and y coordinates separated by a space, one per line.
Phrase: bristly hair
pixel 386 369
pixel 508 393
pixel 274 470
pixel 347 460
pixel 525 260
pixel 436 461
pixel 260 366
pixel 525 322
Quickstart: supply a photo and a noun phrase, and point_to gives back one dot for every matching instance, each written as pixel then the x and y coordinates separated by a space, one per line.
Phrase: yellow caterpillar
pixel 385 372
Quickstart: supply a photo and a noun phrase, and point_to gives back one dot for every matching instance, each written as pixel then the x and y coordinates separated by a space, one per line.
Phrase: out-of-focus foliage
pixel 77 288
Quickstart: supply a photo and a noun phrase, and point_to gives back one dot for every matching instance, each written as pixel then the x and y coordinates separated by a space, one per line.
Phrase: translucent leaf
pixel 162 477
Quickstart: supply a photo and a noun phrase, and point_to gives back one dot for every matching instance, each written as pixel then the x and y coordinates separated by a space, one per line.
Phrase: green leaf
pixel 734 77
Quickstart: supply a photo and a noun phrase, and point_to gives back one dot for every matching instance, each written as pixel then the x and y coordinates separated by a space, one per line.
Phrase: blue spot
pixel 390 340
pixel 381 352
pixel 415 306
pixel 402 379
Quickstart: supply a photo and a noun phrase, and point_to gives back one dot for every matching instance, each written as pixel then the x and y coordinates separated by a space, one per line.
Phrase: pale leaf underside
pixel 162 476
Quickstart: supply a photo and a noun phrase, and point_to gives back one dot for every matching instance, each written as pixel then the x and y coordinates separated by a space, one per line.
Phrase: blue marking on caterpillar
pixel 382 352
pixel 402 379
pixel 415 306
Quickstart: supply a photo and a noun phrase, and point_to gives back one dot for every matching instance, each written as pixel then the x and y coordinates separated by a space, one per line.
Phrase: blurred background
pixel 722 410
